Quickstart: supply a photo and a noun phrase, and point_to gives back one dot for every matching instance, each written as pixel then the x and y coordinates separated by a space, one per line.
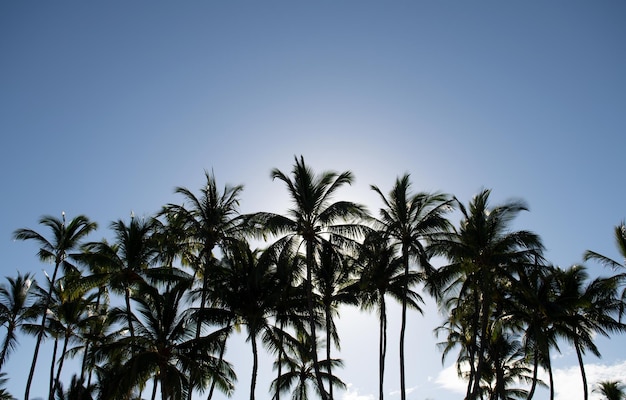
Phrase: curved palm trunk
pixel 255 366
pixel 203 302
pixel 311 311
pixel 551 377
pixel 484 324
pixel 221 358
pixel 382 347
pixel 533 385
pixel 582 369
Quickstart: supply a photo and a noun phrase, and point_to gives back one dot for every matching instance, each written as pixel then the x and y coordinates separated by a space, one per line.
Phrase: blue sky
pixel 105 107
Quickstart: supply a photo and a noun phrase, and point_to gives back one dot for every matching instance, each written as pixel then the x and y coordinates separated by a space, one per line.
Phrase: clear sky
pixel 106 107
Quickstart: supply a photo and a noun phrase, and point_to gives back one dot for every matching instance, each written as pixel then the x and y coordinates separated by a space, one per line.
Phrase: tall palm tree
pixel 314 216
pixel 620 242
pixel 611 390
pixel 15 302
pixel 381 274
pixel 483 254
pixel 332 277
pixel 207 222
pixel 409 220
pixel 64 239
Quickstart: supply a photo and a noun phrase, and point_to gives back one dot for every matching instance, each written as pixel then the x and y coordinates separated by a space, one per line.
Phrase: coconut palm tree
pixel 381 274
pixel 611 390
pixel 15 302
pixel 207 222
pixel 314 216
pixel 484 253
pixel 65 238
pixel 124 263
pixel 246 285
pixel 409 220
pixel 4 394
pixel 165 347
pixel 590 309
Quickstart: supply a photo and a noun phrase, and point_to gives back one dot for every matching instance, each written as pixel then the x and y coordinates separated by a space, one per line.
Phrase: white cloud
pixel 408 391
pixel 353 394
pixel 567 381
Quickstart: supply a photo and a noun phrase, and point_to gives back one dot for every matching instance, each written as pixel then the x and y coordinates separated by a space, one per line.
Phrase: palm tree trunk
pixel 221 358
pixel 61 359
pixel 328 345
pixel 533 385
pixel 582 369
pixel 255 366
pixel 382 347
pixel 311 311
pixel 405 258
pixel 54 358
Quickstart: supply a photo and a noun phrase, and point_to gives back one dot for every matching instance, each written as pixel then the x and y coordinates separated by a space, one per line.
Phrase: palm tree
pixel 207 222
pixel 332 278
pixel 69 315
pixel 65 239
pixel 15 302
pixel 381 274
pixel 611 390
pixel 620 241
pixel 409 220
pixel 247 286
pixel 314 217
pixel 165 348
pixel 124 263
pixel 590 310
pixel 483 254
pixel 298 363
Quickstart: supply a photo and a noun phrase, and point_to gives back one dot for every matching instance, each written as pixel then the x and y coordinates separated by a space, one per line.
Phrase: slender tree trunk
pixel 255 366
pixel 203 301
pixel 154 389
pixel 54 358
pixel 329 367
pixel 61 360
pixel 533 385
pixel 311 310
pixel 405 258
pixel 382 347
pixel 551 377
pixel 582 369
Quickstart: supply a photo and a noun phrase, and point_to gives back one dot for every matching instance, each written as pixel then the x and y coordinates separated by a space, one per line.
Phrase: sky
pixel 106 107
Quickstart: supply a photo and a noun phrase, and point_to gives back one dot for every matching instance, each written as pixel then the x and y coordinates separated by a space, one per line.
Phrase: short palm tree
pixel 611 390
pixel 298 364
pixel 409 220
pixel 589 309
pixel 65 238
pixel 15 302
pixel 314 216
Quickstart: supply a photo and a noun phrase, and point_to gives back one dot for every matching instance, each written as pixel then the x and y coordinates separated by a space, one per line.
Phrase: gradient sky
pixel 106 107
